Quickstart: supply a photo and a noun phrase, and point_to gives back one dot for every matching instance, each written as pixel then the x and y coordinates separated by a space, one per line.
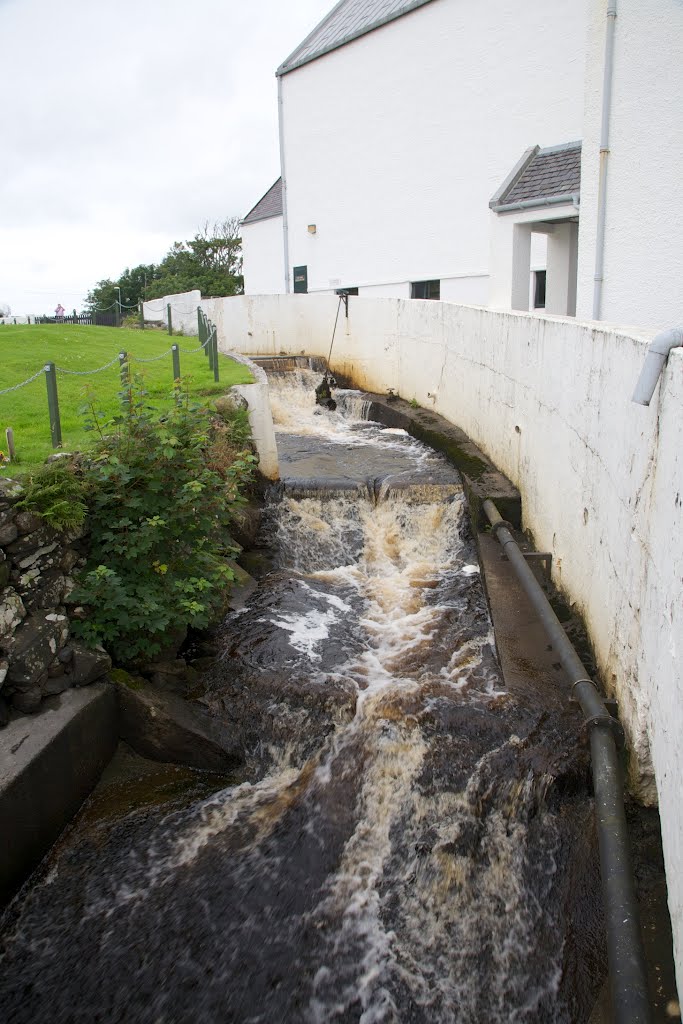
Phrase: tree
pixel 211 262
pixel 133 284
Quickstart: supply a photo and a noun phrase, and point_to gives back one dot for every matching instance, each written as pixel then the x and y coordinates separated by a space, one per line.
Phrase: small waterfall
pixel 406 841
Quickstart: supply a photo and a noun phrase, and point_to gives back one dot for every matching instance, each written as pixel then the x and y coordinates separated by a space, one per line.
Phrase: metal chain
pixel 16 387
pixel 191 351
pixel 136 359
pixel 87 373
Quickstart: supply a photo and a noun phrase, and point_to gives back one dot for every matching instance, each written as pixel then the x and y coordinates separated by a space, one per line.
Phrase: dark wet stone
pixel 66 654
pixel 28 522
pixel 86 666
pixel 27 701
pixel 69 560
pixel 8 533
pixel 34 646
pixel 165 727
pixel 48 592
pixel 245 525
pixel 5 712
pixel 55 685
pixel 175 676
pixel 11 491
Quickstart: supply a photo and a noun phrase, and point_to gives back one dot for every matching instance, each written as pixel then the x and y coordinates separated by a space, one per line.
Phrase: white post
pixel 560 287
pixel 521 258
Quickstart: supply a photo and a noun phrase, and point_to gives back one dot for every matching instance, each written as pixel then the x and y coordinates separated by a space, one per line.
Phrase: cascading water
pixel 410 841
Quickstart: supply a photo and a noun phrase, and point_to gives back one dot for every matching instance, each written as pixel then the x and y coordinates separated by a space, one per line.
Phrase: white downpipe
pixel 655 359
pixel 285 223
pixel 604 153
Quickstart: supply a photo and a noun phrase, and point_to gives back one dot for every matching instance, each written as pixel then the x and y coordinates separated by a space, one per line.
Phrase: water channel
pixel 409 841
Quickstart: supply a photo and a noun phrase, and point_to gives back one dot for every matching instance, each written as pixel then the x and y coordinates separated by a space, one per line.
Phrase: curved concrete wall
pixel 548 400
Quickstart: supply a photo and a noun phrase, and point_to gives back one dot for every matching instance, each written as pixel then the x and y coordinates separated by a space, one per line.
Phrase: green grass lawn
pixel 25 349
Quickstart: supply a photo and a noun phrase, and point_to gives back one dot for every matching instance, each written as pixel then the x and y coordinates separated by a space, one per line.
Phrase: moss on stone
pixel 470 465
pixel 119 675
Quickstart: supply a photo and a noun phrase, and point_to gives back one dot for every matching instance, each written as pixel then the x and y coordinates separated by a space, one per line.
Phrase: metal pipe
pixel 604 154
pixel 655 359
pixel 628 977
pixel 285 221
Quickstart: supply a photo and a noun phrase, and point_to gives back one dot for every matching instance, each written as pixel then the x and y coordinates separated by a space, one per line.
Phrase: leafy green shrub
pixel 160 503
pixel 56 493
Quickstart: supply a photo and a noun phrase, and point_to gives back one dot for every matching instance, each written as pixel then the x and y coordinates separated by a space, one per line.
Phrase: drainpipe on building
pixel 604 153
pixel 285 224
pixel 655 359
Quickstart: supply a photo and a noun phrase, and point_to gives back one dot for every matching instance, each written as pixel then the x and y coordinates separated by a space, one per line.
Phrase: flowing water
pixel 409 841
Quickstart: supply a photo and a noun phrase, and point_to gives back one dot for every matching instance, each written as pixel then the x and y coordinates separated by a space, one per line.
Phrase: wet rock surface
pixel 35 562
pixel 409 841
pixel 161 725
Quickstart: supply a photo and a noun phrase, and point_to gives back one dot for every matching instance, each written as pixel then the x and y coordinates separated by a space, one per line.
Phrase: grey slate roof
pixel 270 205
pixel 542 176
pixel 348 20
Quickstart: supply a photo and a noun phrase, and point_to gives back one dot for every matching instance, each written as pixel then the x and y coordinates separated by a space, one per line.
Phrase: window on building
pixel 425 290
pixel 300 279
pixel 539 289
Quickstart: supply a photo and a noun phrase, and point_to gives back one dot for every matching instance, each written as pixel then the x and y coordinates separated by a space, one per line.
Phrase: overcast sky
pixel 125 126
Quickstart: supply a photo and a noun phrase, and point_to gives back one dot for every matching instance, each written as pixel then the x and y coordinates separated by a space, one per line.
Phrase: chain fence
pixel 208 337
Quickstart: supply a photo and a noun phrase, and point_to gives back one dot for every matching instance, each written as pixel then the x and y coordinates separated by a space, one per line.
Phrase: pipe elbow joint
pixel 655 359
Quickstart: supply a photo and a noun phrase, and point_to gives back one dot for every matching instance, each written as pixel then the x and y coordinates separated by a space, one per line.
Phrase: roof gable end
pixel 269 205
pixel 349 20
pixel 542 177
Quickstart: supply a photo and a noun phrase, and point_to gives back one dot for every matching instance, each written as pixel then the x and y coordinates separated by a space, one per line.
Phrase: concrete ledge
pixel 480 477
pixel 49 763
pixel 257 397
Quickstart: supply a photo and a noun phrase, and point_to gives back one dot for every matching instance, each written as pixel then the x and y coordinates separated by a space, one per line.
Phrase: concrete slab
pixel 49 763
pixel 480 477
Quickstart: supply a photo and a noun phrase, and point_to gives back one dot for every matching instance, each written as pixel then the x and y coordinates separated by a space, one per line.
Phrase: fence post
pixel 205 339
pixel 175 350
pixel 123 364
pixel 209 344
pixel 215 353
pixel 170 321
pixel 142 315
pixel 53 405
pixel 9 437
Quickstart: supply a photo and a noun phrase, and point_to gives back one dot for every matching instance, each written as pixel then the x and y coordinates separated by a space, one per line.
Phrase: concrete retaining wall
pixel 48 765
pixel 548 400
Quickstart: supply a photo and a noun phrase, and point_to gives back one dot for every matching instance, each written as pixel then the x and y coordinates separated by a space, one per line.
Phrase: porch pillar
pixel 521 257
pixel 560 287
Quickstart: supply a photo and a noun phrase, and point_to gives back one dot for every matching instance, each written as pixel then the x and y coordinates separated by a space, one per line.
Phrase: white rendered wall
pixel 395 143
pixel 263 257
pixel 183 310
pixel 548 399
pixel 643 248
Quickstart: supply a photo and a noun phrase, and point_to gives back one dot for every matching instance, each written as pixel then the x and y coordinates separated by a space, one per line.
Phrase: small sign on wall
pixel 300 279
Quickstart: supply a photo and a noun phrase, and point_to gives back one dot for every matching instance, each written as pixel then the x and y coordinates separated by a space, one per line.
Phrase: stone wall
pixel 38 658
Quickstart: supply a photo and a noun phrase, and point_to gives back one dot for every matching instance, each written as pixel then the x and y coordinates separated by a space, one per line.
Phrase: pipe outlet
pixel 655 359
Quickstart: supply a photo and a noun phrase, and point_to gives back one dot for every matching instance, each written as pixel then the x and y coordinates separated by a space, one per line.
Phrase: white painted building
pixel 402 125
pixel 262 245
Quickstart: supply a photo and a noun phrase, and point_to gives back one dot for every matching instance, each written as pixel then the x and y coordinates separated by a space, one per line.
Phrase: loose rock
pixel 165 727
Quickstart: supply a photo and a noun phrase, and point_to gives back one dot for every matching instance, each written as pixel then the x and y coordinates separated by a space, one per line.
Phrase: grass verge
pixel 25 349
